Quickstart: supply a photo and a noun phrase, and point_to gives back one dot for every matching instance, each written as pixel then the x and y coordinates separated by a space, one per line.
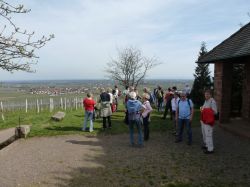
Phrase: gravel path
pixel 108 160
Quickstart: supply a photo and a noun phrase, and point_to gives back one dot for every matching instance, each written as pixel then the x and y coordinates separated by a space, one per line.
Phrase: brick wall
pixel 223 86
pixel 246 92
pixel 218 71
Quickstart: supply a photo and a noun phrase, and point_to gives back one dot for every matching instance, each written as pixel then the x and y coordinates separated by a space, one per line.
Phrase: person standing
pixel 89 105
pixel 112 100
pixel 146 114
pixel 159 97
pixel 147 91
pixel 125 93
pixel 174 103
pixel 187 89
pixel 105 109
pixel 184 116
pixel 134 108
pixel 168 98
pixel 116 95
pixel 208 110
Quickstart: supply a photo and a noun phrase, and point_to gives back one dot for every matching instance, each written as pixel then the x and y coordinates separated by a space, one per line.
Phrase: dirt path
pixel 109 161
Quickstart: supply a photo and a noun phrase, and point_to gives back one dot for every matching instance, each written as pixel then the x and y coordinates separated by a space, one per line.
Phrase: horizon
pixel 95 79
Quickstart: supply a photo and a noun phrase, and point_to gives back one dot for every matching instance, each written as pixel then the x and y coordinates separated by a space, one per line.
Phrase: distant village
pixel 54 91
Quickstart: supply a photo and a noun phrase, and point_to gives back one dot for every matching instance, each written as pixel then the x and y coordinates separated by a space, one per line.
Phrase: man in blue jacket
pixel 134 108
pixel 184 116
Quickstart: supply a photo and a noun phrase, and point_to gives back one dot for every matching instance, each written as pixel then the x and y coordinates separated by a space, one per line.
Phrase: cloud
pixel 89 31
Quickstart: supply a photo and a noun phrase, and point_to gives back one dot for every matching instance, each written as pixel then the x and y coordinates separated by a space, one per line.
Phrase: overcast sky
pixel 88 33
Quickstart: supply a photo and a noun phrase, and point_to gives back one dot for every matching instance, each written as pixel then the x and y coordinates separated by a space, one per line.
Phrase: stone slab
pixel 58 116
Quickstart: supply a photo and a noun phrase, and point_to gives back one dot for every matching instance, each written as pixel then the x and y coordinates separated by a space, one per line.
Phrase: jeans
pixel 131 131
pixel 181 124
pixel 88 115
pixel 160 103
pixel 146 127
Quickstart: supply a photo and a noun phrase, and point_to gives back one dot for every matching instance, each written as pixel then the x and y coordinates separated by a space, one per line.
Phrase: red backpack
pixel 207 116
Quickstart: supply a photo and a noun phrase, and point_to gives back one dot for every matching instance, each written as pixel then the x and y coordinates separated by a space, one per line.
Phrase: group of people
pixel 138 109
pixel 106 104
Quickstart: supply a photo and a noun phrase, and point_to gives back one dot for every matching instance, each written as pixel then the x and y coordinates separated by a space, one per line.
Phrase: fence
pixel 41 104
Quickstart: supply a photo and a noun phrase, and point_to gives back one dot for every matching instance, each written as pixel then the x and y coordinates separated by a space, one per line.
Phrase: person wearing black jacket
pixel 106 111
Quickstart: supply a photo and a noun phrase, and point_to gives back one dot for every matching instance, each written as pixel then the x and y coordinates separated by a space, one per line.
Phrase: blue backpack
pixel 133 111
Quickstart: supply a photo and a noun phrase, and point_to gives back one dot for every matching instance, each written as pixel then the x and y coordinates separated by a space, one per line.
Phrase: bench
pixel 58 116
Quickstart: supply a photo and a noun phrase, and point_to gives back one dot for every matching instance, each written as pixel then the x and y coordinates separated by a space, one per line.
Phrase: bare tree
pixel 17 47
pixel 131 67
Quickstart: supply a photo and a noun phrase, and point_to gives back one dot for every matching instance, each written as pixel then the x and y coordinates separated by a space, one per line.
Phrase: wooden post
pixel 41 105
pixel 37 105
pixel 51 105
pixel 2 110
pixel 76 102
pixel 26 106
pixel 61 103
pixel 65 103
pixel 79 103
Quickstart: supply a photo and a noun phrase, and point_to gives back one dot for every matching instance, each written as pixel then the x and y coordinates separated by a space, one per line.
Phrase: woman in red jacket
pixel 89 105
pixel 208 110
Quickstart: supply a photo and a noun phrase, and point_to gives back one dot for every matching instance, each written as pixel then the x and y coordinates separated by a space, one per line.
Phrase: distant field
pixel 13 94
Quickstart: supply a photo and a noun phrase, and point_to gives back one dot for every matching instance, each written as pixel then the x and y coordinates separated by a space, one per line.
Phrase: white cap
pixel 132 95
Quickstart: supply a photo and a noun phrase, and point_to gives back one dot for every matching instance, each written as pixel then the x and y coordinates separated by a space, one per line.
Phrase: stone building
pixel 233 50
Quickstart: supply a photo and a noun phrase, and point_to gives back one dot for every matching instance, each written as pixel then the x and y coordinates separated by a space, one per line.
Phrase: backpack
pixel 217 115
pixel 133 113
pixel 113 107
pixel 159 94
pixel 151 100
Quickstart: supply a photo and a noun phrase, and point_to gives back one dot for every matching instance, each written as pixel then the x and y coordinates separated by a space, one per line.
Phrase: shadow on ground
pixel 112 162
pixel 64 128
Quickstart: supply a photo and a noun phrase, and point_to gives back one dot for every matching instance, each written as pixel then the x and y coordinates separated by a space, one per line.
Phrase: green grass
pixel 42 125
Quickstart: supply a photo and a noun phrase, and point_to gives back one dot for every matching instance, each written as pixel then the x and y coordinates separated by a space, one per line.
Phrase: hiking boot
pixel 208 152
pixel 178 141
pixel 132 145
pixel 140 146
pixel 204 147
pixel 174 132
